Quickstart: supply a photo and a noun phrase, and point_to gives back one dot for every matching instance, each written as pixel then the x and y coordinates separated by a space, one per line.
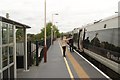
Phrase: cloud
pixel 72 13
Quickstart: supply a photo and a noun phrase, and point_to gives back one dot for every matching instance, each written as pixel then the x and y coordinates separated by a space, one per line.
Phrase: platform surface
pixel 73 66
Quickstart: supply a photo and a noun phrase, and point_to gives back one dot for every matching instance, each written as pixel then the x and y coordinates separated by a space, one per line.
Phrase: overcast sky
pixel 72 13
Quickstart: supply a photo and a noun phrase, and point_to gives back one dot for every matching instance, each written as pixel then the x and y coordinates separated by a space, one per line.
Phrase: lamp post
pixel 52 29
pixel 45 46
pixel 55 32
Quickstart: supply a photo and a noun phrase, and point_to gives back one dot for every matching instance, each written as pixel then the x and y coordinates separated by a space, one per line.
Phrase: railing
pixel 38 53
pixel 35 52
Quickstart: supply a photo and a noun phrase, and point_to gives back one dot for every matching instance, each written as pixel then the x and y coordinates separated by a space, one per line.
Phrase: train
pixel 100 40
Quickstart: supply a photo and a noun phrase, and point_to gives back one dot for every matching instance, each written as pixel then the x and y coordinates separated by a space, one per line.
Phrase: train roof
pixel 102 20
pixel 110 17
pixel 75 30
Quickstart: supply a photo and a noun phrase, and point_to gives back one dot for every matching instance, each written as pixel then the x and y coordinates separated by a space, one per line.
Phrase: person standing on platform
pixel 64 44
pixel 86 43
pixel 71 44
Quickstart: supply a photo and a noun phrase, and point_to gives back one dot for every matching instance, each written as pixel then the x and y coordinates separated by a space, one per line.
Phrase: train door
pixel 81 37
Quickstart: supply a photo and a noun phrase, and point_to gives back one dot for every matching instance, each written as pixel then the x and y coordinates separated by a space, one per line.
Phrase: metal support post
pixel 51 34
pixel 30 53
pixel 25 50
pixel 52 31
pixel 36 53
pixel 1 50
pixel 14 51
pixel 45 46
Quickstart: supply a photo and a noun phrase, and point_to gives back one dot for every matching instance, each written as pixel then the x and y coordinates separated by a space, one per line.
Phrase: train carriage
pixel 100 41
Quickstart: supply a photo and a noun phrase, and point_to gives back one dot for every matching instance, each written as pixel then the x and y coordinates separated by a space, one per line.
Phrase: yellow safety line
pixel 68 68
pixel 80 71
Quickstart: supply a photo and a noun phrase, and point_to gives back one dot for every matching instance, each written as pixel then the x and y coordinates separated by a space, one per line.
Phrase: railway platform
pixel 73 66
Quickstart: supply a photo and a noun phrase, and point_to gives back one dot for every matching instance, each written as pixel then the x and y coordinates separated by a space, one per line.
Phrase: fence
pixel 35 52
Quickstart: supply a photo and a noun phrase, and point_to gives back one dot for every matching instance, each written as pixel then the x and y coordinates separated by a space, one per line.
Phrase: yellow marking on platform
pixel 79 70
pixel 68 68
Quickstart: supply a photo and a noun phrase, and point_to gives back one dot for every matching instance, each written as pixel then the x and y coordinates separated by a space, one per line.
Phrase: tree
pixel 19 35
pixel 48 30
pixel 56 31
pixel 40 36
pixel 31 37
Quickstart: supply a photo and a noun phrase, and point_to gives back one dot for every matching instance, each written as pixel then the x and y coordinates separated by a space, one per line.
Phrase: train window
pixel 106 35
pixel 105 25
pixel 103 42
pixel 75 37
pixel 107 39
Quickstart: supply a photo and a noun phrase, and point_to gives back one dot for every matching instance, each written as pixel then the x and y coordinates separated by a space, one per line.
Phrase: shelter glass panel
pixel 5 74
pixel 4 33
pixel 0 46
pixel 10 54
pixel 0 59
pixel 0 33
pixel 0 76
pixel 5 56
pixel 12 71
pixel 10 33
